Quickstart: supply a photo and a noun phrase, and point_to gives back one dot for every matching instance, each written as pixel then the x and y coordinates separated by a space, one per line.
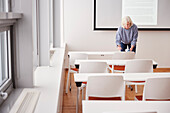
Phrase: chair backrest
pixel 139 66
pixel 77 56
pixel 93 67
pixel 105 86
pixel 157 89
pixel 123 55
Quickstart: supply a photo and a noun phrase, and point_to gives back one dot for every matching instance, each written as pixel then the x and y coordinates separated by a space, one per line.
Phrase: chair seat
pixel 137 81
pixel 157 99
pixel 105 98
pixel 141 97
pixel 118 67
pixel 75 69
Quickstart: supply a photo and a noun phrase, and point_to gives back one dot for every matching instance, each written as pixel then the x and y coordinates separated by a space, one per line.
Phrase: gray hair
pixel 125 20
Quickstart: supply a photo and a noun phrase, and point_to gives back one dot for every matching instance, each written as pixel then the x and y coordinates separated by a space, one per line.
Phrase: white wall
pixel 79 34
pixel 24 43
pixel 35 36
pixel 44 58
pixel 155 45
pixel 57 23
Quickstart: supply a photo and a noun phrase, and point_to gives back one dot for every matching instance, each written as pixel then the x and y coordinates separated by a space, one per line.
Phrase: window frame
pixel 8 82
pixel 8 56
pixel 6 26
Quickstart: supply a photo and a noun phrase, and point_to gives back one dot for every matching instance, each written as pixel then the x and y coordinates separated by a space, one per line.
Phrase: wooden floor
pixel 69 101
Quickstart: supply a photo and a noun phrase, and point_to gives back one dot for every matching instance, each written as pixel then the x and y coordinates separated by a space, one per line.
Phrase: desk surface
pixel 93 52
pixel 110 62
pixel 82 77
pixel 122 106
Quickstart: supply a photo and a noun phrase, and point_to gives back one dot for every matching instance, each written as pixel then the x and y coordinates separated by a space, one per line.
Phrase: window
pixel 5 51
pixel 4 6
pixel 7 55
pixel 5 65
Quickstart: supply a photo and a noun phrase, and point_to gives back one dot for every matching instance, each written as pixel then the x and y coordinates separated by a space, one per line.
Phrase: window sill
pixel 10 15
pixel 7 19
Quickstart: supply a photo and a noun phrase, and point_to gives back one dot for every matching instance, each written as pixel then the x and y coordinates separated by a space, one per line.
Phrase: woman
pixel 127 35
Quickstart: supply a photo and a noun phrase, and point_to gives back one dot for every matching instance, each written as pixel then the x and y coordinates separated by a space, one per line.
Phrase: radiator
pixel 26 102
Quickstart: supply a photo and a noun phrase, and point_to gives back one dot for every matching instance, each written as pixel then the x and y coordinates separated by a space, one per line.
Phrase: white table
pixel 109 55
pixel 93 52
pixel 112 62
pixel 106 55
pixel 83 77
pixel 122 106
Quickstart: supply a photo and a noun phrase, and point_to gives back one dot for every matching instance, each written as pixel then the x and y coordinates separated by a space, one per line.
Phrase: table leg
pixel 112 68
pixel 68 77
pixel 77 104
pixel 78 84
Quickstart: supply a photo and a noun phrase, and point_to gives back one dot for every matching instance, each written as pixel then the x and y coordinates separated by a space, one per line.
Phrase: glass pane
pixel 3 58
pixel 4 6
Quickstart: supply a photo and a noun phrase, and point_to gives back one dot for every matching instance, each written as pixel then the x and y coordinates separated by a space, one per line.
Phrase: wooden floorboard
pixel 69 100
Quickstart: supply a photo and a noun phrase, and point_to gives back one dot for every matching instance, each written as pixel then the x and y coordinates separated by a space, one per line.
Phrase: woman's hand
pixel 132 46
pixel 131 49
pixel 119 47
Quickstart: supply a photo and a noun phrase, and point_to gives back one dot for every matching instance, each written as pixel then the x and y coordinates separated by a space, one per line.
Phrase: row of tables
pixel 82 77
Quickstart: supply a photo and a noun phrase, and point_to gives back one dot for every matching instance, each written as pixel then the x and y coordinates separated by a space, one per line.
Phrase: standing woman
pixel 127 35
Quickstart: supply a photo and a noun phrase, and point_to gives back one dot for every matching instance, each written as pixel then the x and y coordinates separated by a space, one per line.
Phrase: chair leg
pixel 83 86
pixel 136 88
pixel 82 93
pixel 68 77
pixel 112 68
pixel 86 96
pixel 70 83
pixel 130 87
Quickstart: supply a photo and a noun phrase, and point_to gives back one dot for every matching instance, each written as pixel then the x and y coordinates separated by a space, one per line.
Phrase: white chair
pixel 157 89
pixel 105 88
pixel 121 56
pixel 92 67
pixel 138 66
pixel 71 66
pixel 101 57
